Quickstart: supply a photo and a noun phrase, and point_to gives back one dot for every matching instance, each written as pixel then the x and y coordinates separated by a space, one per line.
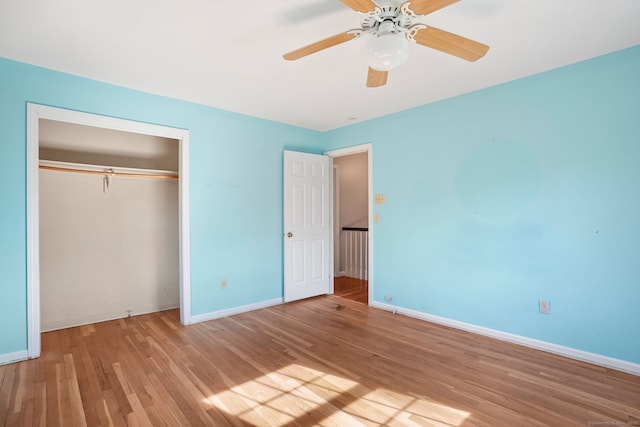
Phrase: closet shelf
pixel 106 170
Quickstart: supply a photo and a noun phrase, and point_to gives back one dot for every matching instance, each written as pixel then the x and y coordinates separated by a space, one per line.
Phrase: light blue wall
pixel 528 190
pixel 236 165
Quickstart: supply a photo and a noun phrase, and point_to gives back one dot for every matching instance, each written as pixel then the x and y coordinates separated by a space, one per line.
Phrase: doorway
pixel 36 113
pixel 352 212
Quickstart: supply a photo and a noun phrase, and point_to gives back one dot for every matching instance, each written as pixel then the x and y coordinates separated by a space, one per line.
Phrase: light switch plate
pixel 379 199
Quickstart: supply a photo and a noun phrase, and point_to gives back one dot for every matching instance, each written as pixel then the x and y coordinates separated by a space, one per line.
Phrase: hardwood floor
pixel 323 361
pixel 351 288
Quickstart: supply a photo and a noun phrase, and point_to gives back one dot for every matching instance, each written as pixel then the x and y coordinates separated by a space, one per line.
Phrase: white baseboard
pixel 234 310
pixel 102 317
pixel 585 356
pixel 17 356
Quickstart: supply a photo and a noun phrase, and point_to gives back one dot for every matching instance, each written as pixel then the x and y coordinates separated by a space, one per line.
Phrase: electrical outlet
pixel 543 306
pixel 388 298
pixel 224 283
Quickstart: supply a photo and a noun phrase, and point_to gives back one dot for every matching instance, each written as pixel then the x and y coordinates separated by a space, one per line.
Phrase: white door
pixel 307 225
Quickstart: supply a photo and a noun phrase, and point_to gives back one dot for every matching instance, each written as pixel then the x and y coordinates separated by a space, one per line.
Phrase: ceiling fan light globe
pixel 388 51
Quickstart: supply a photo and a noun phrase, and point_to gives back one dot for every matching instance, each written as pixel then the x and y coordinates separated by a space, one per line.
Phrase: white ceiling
pixel 229 54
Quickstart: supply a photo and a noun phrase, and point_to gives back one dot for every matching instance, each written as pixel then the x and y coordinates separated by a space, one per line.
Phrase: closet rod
pixel 92 172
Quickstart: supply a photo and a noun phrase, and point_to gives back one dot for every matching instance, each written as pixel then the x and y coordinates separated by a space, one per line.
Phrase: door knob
pixel 289 234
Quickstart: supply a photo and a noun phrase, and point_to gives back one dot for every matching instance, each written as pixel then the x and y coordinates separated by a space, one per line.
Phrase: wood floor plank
pixel 351 288
pixel 7 373
pixel 170 412
pixel 326 361
pixel 75 400
pixel 24 382
pixel 40 404
pixel 102 413
pixel 139 412
pixel 112 408
pixel 62 391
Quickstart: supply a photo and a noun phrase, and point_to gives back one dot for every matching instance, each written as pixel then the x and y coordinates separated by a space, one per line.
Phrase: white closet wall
pixel 106 254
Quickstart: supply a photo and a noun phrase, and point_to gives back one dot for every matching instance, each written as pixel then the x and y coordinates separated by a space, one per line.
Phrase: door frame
pixel 363 148
pixel 335 209
pixel 35 112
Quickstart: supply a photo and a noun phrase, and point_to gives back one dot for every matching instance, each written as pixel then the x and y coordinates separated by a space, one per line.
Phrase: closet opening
pixel 108 224
pixel 107 220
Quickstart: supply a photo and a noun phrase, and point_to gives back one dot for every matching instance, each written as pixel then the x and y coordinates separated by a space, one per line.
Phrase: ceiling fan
pixel 392 25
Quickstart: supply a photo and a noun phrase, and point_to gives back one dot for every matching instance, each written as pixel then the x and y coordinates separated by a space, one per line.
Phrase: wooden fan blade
pixel 376 78
pixel 425 7
pixel 360 5
pixel 321 45
pixel 450 43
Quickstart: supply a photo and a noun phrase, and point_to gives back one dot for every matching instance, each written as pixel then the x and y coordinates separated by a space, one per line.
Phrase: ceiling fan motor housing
pixel 387 19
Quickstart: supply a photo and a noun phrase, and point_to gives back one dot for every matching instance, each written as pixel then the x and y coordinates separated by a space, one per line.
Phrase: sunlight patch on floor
pixel 382 405
pixel 299 393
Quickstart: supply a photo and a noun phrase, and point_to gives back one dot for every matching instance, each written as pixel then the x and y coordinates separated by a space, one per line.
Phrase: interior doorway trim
pixel 363 148
pixel 35 112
